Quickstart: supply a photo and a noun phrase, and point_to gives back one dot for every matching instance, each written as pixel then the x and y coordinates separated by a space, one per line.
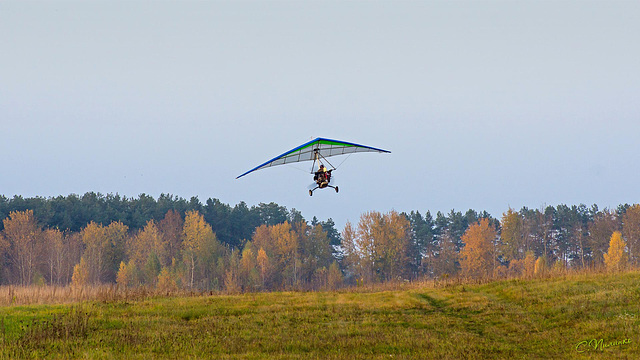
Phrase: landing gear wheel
pixel 310 192
pixel 336 189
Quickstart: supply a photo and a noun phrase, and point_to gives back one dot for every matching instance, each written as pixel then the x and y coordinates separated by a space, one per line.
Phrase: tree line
pixel 168 242
pixel 172 243
pixel 72 213
pixel 393 246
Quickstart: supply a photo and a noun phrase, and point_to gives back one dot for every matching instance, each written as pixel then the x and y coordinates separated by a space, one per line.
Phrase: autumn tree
pixel 286 252
pixel 334 277
pixel 56 252
pixel 352 252
pixel 171 232
pixel 145 251
pixel 511 236
pixel 631 232
pixel 264 266
pixel 116 237
pixel 315 250
pixel 248 269
pixel 540 266
pixel 280 243
pixel 3 249
pixel 378 249
pixel 392 236
pixel 359 246
pixel 24 238
pixel 476 258
pixel 95 252
pixel 605 223
pixel 124 278
pixel 104 250
pixel 231 278
pixel 81 274
pixel 166 280
pixel 200 248
pixel 615 258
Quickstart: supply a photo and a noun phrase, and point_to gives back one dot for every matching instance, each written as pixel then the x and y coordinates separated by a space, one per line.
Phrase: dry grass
pixel 50 295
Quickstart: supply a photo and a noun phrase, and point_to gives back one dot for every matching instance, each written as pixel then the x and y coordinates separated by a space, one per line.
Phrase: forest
pixel 171 243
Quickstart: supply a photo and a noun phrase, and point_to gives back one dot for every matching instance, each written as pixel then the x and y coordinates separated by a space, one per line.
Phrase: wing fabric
pixel 306 152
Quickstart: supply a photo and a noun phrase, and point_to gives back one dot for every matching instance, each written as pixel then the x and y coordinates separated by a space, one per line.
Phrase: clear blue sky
pixel 484 104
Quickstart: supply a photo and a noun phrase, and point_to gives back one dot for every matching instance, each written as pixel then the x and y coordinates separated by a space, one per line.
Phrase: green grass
pixel 514 319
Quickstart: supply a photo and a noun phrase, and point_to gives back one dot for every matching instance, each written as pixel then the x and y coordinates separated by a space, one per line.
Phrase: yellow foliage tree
pixel 476 258
pixel 540 266
pixel 286 251
pixel 231 281
pixel 123 277
pixel 147 244
pixel 377 250
pixel 96 244
pixel 615 259
pixel 166 280
pixel 263 263
pixel 249 274
pixel 529 264
pixel 80 275
pixel 391 236
pixel 200 245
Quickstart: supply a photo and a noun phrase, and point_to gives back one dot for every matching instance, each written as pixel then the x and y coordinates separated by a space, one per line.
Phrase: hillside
pixel 530 319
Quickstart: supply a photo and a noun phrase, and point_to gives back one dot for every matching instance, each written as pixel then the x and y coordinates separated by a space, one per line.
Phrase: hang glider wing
pixel 311 150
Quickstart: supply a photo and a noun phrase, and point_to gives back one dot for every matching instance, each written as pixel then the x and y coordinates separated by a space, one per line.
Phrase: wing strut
pixel 317 157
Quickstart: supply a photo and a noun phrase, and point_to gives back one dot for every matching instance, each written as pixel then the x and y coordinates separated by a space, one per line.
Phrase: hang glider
pixel 316 150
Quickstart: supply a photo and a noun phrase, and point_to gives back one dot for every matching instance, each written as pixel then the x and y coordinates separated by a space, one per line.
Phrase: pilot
pixel 321 174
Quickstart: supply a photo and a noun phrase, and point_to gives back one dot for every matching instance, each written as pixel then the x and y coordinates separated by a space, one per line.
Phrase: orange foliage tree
pixel 477 256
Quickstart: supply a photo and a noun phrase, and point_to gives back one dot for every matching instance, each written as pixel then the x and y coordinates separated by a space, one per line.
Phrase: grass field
pixel 516 319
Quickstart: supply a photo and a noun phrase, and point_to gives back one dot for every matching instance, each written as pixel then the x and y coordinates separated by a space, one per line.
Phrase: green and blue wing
pixel 306 152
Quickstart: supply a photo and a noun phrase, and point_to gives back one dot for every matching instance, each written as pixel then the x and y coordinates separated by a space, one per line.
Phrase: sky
pixel 484 105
